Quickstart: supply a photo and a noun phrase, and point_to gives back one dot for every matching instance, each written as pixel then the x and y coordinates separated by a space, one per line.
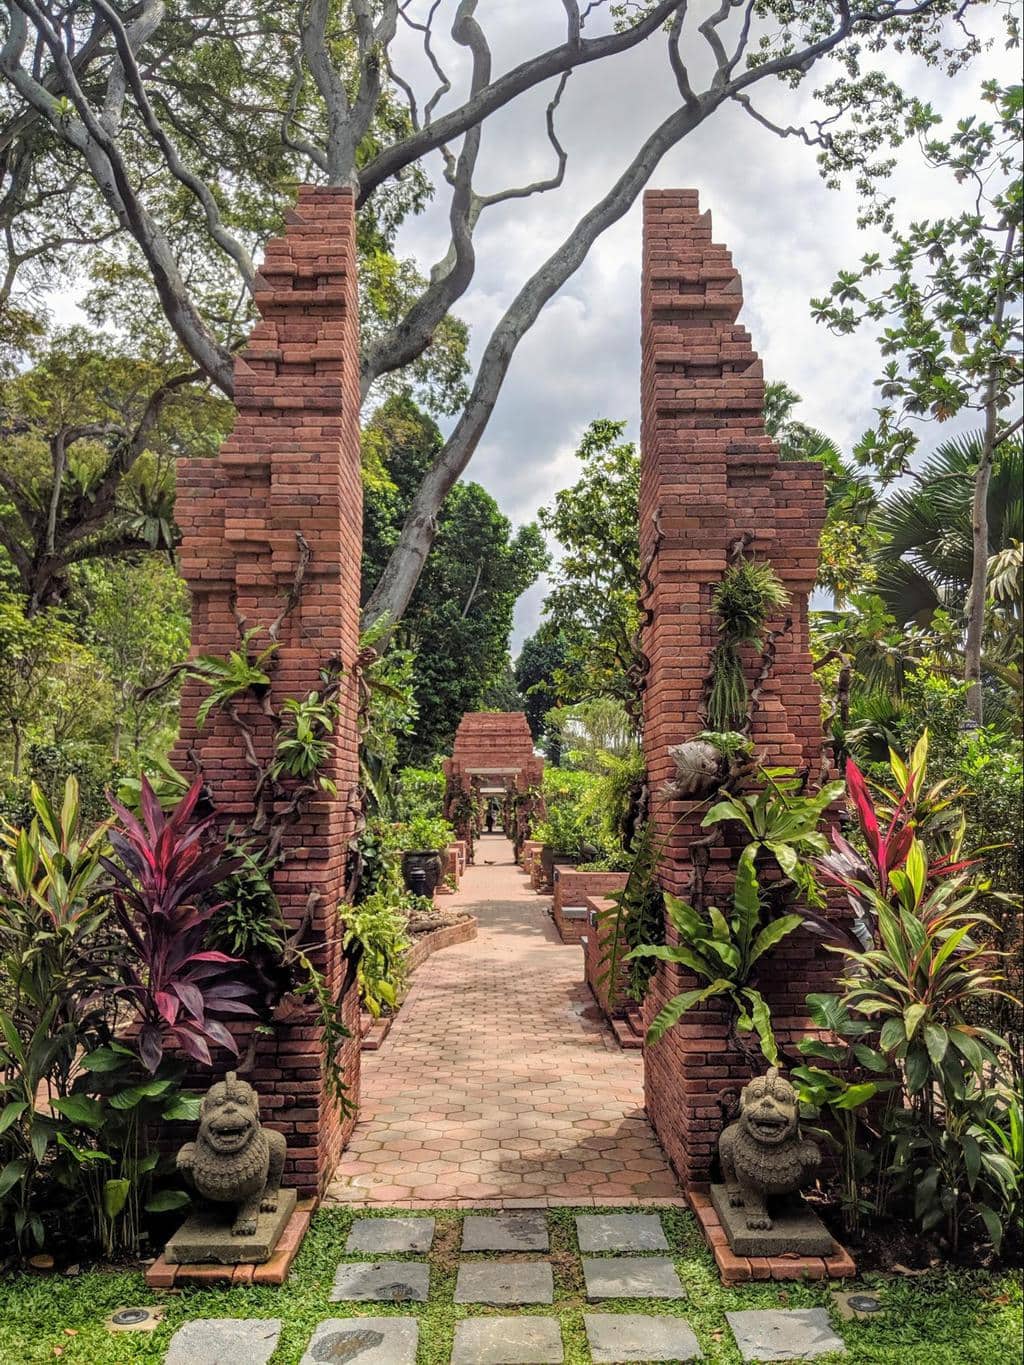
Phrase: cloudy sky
pixel 788 233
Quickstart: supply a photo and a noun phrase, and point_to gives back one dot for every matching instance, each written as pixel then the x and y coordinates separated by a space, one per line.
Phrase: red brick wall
pixel 572 888
pixel 291 465
pixel 710 474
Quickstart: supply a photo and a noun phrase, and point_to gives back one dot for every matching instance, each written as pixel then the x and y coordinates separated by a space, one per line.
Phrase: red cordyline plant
pixel 163 879
pixel 889 827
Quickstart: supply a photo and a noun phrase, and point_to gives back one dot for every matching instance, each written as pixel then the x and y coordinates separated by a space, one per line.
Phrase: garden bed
pixel 437 930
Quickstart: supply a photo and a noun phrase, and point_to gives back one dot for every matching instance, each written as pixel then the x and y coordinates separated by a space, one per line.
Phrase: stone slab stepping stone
pixel 783 1333
pixel 618 1337
pixel 507 1341
pixel 370 1341
pixel 505 1232
pixel 394 1281
pixel 621 1232
pixel 505 1282
pixel 224 1341
pixel 378 1236
pixel 632 1277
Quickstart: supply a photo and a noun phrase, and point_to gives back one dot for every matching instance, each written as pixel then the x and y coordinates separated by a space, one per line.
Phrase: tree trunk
pixel 979 574
pixel 979 524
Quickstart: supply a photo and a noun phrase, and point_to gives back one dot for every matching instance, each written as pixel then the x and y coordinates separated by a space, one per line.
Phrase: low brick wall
pixel 530 846
pixel 569 904
pixel 594 968
pixel 447 937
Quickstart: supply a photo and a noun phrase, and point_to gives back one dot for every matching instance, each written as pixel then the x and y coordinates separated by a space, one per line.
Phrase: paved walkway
pixel 497 1083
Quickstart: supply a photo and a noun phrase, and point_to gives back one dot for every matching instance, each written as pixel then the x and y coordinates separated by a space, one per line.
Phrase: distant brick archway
pixel 494 746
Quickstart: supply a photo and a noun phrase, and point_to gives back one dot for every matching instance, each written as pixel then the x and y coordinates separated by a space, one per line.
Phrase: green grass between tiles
pixel 944 1318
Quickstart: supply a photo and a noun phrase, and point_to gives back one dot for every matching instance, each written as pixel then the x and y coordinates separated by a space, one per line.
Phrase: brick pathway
pixel 497 1084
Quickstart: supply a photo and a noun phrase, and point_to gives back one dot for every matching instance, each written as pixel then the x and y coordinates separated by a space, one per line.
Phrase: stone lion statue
pixel 762 1153
pixel 233 1159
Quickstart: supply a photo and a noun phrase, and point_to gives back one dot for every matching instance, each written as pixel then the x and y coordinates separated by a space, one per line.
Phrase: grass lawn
pixel 942 1318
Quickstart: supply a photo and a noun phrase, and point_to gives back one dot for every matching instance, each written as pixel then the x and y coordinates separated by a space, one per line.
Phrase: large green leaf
pixel 11 1112
pixel 164 1201
pixel 11 1174
pixel 912 1016
pixel 115 1196
pixel 80 1109
pixel 677 1007
pixel 773 933
pixel 936 1040
pixel 856 1095
pixel 762 1020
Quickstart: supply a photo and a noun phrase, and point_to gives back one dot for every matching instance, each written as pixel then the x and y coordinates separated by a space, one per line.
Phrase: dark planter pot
pixel 421 871
pixel 550 858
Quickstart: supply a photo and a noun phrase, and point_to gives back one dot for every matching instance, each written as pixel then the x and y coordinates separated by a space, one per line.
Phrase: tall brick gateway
pixel 287 479
pixel 710 479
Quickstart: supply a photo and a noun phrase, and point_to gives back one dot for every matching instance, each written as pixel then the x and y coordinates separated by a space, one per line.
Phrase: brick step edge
pixel 625 1035
pixel 163 1275
pixel 742 1269
pixel 374 1031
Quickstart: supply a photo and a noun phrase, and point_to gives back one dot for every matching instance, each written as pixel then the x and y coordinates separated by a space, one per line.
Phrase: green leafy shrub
pixel 426 833
pixel 377 931
pixel 420 792
pixel 723 953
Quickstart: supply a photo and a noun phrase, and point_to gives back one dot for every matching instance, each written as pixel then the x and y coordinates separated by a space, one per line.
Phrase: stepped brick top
pixel 283 495
pixel 712 485
pixel 497 742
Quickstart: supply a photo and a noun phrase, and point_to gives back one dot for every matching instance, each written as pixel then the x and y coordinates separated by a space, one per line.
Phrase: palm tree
pixel 924 561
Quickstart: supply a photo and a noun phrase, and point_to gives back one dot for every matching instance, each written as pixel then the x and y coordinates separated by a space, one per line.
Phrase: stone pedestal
pixel 796 1228
pixel 205 1237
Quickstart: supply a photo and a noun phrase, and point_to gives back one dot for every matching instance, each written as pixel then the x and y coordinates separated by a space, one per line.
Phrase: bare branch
pixel 553 181
pixel 137 33
pixel 288 137
pixel 820 139
pixel 341 148
pixel 500 92
pixel 228 244
pixel 676 59
pixel 443 82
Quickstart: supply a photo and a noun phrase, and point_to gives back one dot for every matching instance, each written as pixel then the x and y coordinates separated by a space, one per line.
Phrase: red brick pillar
pixel 710 475
pixel 291 467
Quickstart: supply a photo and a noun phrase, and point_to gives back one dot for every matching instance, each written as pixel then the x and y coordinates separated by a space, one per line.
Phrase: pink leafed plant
pixel 164 874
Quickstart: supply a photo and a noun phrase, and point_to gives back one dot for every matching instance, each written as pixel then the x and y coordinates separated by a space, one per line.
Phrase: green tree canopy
pixel 459 618
pixel 593 602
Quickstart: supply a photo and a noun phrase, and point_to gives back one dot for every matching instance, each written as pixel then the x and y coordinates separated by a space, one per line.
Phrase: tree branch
pixel 500 92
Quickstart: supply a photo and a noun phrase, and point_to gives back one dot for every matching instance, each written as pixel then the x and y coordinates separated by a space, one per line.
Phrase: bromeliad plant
pixel 724 953
pixel 304 743
pixel 233 675
pixel 163 876
pixel 748 594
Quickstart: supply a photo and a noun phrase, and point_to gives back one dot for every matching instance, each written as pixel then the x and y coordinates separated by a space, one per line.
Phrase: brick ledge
pixel 741 1269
